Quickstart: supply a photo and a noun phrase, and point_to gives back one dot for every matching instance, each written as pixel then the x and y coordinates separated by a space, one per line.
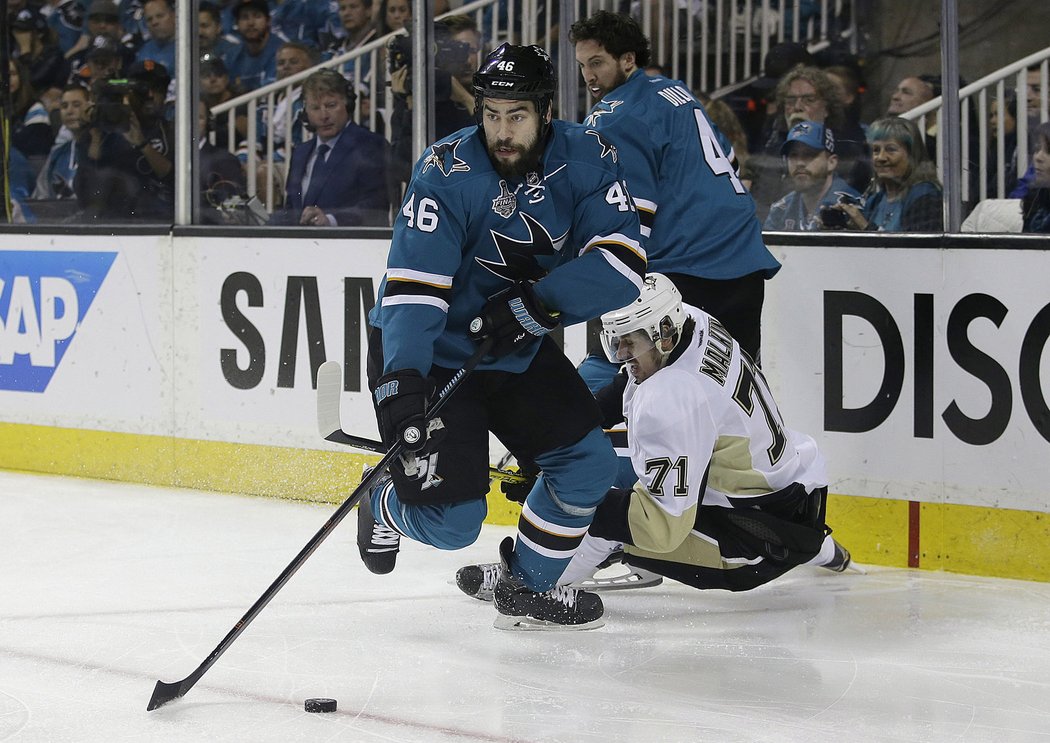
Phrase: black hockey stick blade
pixel 166 692
pixel 330 426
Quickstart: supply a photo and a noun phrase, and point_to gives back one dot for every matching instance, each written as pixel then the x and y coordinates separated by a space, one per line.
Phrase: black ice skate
pixel 377 544
pixel 478 581
pixel 561 608
pixel 840 561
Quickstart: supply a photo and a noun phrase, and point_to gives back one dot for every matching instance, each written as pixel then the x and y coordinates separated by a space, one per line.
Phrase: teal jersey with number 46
pixel 698 216
pixel 464 233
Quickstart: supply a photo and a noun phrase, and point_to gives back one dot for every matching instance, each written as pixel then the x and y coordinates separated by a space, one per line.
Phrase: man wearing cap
pixel 104 59
pixel 103 19
pixel 254 63
pixel 153 136
pixel 811 161
pixel 102 44
pixel 215 89
pixel 160 20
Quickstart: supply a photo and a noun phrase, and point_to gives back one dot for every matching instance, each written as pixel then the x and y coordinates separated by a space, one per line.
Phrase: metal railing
pixel 708 44
pixel 976 110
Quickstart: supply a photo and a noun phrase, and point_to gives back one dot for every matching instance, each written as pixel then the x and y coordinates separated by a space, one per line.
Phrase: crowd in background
pixel 92 138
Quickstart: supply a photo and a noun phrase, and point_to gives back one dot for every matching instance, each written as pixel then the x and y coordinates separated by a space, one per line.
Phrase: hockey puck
pixel 320 705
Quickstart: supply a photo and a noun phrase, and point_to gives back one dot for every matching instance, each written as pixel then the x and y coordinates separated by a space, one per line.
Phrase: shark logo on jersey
pixel 444 158
pixel 506 203
pixel 607 149
pixel 518 257
pixel 600 109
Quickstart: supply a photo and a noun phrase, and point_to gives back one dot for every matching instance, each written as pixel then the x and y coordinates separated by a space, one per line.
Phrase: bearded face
pixel 512 136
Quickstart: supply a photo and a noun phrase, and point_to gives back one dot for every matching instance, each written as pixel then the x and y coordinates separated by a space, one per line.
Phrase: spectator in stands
pixel 104 60
pixel 458 43
pixel 67 21
pixel 1009 138
pixel 212 40
pixel 109 181
pixel 31 132
pixel 302 20
pixel 905 195
pixel 811 162
pixel 358 28
pixel 215 89
pixel 806 94
pixel 1034 92
pixel 125 157
pixel 103 21
pixel 910 92
pixel 160 20
pixel 150 125
pixel 338 177
pixel 1035 207
pixel 254 63
pixel 36 47
pixel 55 180
pixel 850 88
pixel 755 104
pixel 394 15
pixel 293 57
pixel 20 183
pixel 220 175
pixel 133 20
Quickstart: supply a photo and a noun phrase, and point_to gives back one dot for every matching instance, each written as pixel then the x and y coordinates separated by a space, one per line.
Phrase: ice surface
pixel 107 587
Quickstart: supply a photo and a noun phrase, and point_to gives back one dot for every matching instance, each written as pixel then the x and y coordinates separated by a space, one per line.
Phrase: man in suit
pixel 338 177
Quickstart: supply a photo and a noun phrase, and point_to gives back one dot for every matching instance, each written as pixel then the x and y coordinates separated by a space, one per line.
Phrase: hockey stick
pixel 330 426
pixel 166 692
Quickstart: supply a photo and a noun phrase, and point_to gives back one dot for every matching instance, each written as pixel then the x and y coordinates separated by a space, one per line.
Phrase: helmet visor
pixel 621 349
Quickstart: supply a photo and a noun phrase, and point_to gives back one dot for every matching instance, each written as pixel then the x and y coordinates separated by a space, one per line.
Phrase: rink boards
pixel 924 373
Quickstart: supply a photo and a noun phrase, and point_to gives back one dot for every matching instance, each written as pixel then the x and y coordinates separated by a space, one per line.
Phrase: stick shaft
pixel 166 692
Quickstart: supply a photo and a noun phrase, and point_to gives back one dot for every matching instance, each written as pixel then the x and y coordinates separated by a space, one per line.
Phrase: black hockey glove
pixel 517 492
pixel 401 405
pixel 513 318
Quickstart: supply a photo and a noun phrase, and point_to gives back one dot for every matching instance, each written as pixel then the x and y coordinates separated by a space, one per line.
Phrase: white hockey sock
pixel 588 556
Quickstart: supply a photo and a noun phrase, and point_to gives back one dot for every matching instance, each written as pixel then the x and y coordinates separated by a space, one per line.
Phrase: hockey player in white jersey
pixel 724 495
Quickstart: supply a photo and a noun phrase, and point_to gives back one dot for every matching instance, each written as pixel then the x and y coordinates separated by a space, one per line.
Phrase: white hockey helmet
pixel 657 312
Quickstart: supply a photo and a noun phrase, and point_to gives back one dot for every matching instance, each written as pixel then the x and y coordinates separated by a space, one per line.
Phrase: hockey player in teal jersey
pixel 698 217
pixel 525 223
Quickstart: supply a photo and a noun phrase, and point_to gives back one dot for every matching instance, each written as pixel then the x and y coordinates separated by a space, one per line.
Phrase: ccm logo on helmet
pixel 502 84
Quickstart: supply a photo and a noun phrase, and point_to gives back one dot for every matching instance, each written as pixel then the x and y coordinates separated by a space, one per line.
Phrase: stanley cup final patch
pixel 506 203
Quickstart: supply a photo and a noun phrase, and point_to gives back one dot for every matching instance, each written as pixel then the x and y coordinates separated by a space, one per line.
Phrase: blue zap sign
pixel 44 296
